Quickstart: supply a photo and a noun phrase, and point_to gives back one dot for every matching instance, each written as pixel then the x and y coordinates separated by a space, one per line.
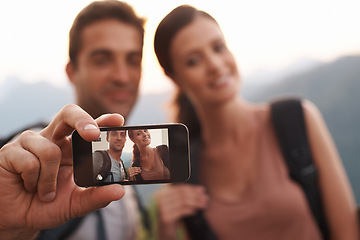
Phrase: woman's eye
pixel 192 62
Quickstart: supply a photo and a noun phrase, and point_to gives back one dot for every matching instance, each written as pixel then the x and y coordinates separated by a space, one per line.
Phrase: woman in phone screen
pixel 244 189
pixel 152 163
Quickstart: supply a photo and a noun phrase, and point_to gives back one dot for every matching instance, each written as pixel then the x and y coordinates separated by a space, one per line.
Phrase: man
pixel 108 165
pixel 105 51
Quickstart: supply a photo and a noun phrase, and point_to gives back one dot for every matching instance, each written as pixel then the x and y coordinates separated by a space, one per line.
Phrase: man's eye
pixel 101 61
pixel 219 47
pixel 135 60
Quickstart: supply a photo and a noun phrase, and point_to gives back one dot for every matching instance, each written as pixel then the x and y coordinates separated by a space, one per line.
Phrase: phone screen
pixel 132 155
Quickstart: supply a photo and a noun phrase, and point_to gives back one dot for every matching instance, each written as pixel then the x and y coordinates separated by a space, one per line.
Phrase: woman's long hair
pixel 136 151
pixel 184 112
pixel 136 156
pixel 164 35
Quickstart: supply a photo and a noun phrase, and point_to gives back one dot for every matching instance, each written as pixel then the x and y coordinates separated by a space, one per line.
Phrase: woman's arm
pixel 339 204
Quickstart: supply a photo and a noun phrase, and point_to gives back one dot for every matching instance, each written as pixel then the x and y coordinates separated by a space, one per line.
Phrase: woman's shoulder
pixel 263 110
pixel 162 146
pixel 260 112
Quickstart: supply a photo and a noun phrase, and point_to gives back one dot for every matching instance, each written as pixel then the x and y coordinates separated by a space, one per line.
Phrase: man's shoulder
pixel 100 151
pixel 34 127
pixel 101 154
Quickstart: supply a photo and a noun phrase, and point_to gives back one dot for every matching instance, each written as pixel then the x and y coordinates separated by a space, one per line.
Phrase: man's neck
pixel 115 155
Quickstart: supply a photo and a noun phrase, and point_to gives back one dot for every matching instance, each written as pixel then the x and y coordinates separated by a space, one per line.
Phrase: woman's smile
pixel 220 81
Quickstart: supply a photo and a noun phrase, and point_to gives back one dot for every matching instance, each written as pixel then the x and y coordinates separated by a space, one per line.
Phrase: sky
pixel 262 34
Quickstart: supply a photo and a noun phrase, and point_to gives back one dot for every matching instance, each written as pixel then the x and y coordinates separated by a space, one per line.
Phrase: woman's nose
pixel 214 63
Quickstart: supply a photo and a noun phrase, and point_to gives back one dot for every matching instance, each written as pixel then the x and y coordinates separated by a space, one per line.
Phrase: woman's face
pixel 203 66
pixel 141 137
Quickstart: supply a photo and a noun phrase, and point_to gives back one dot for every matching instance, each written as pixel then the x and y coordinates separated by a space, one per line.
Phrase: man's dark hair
pixel 97 11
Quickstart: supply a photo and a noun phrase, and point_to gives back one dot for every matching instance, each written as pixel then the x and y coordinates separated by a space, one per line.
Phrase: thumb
pixel 93 198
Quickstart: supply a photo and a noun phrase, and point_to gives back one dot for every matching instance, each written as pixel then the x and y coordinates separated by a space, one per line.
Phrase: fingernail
pixel 49 196
pixel 90 127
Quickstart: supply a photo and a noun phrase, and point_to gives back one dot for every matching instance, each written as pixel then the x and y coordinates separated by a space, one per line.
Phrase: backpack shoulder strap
pixel 61 232
pixel 164 154
pixel 290 129
pixel 7 139
pixel 196 225
pixel 106 165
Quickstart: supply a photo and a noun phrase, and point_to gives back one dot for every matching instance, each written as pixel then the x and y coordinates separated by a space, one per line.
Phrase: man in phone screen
pixel 107 164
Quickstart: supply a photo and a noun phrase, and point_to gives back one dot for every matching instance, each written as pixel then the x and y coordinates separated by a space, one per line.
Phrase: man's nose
pixel 120 72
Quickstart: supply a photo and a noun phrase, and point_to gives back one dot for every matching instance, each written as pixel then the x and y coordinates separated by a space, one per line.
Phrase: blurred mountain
pixel 265 77
pixel 26 103
pixel 333 87
pixel 10 83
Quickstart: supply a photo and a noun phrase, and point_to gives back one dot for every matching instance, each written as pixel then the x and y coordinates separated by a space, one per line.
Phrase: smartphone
pixel 142 154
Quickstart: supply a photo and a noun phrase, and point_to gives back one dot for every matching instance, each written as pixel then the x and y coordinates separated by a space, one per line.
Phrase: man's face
pixel 116 140
pixel 108 68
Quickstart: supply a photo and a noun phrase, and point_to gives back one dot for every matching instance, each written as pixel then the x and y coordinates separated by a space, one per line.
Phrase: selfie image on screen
pixel 131 155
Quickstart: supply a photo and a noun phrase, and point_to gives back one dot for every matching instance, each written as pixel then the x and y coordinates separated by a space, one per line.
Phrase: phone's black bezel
pixel 179 155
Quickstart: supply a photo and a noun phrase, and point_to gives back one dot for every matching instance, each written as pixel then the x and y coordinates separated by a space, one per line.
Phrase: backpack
pixel 105 169
pixel 106 165
pixel 288 121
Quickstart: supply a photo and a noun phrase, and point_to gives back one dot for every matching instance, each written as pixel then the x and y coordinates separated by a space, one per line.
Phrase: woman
pixel 150 163
pixel 245 189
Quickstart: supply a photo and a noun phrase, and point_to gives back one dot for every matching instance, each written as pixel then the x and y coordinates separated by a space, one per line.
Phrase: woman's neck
pixel 146 157
pixel 224 122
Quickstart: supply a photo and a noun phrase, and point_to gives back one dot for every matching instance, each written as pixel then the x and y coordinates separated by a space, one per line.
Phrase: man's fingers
pixel 21 162
pixel 110 120
pixel 48 156
pixel 69 118
pixel 36 160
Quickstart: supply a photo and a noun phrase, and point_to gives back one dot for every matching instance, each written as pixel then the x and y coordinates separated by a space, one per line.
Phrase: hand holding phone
pixel 133 155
